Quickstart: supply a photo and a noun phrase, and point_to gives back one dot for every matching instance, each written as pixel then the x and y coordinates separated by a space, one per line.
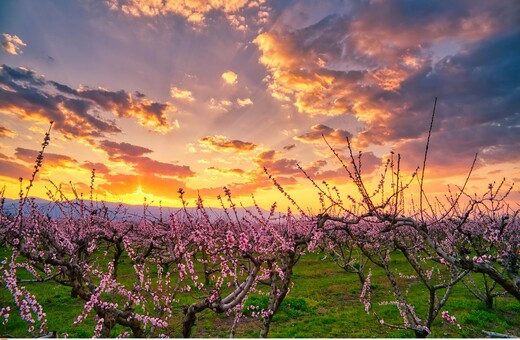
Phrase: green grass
pixel 324 303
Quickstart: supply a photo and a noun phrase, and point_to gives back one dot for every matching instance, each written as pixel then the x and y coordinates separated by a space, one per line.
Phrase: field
pixel 324 303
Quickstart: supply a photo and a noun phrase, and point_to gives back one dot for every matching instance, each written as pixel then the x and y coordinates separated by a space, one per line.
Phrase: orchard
pixel 153 276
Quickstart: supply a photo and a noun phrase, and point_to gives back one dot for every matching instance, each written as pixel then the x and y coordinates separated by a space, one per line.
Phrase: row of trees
pixel 215 261
pixel 195 260
pixel 443 244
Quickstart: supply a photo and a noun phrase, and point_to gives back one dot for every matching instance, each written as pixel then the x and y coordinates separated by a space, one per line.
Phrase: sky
pixel 157 95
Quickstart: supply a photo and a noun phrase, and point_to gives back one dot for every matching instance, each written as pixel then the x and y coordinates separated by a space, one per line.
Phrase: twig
pixel 424 161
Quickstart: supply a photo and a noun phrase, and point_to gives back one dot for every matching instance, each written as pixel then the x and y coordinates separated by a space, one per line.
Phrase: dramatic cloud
pixel 333 136
pixel 218 142
pixel 294 77
pixel 327 68
pixel 12 44
pixel 194 12
pixel 286 72
pixel 384 62
pixel 148 113
pixel 230 77
pixel 76 112
pixel 178 93
pixel 471 87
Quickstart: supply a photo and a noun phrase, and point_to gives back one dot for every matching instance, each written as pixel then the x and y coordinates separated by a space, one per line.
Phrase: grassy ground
pixel 324 303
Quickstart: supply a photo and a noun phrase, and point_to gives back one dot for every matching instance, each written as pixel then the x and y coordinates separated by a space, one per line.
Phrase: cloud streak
pixel 115 149
pixel 234 171
pixel 5 132
pixel 222 143
pixel 51 159
pixel 143 165
pixel 320 131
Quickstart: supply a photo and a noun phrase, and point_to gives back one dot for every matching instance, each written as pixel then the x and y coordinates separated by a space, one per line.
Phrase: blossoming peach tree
pixel 214 261
pixel 217 262
pixel 442 243
pixel 183 263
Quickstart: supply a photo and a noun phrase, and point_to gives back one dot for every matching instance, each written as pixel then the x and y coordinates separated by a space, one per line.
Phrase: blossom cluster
pixel 451 319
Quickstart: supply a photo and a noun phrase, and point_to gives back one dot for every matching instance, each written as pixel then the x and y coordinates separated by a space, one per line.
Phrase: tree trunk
pixel 265 326
pixel 190 316
pixel 276 299
pixel 421 333
pixel 489 300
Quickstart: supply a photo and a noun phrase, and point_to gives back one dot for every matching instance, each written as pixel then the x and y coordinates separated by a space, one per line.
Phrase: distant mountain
pixel 51 209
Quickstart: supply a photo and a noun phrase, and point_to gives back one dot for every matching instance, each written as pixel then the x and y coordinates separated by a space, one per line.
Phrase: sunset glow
pixel 161 95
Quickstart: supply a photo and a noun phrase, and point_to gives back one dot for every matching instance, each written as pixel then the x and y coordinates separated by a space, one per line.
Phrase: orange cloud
pixel 280 166
pixel 389 79
pixel 5 132
pixel 178 93
pixel 194 11
pixel 227 171
pixel 133 155
pixel 237 189
pixel 12 44
pixel 261 182
pixel 230 77
pixel 244 102
pixel 218 143
pixel 297 76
